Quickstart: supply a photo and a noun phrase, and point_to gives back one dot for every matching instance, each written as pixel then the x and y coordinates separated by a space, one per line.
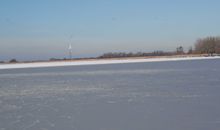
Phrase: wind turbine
pixel 70 47
pixel 70 51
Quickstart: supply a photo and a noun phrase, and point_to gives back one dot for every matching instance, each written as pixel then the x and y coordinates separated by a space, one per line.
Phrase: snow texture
pixel 97 62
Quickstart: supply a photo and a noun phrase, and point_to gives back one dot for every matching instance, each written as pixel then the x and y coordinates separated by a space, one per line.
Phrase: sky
pixel 42 29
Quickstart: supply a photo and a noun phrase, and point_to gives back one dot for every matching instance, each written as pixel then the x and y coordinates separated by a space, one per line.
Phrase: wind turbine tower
pixel 70 51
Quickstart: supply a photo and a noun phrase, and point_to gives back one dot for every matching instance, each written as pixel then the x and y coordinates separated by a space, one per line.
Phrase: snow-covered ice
pixel 97 62
pixel 162 95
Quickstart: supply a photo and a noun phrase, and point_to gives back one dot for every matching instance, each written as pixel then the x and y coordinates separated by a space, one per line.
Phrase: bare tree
pixel 179 50
pixel 217 47
pixel 208 45
pixel 190 51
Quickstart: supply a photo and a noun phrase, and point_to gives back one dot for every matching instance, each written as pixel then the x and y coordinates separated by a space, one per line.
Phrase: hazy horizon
pixel 39 30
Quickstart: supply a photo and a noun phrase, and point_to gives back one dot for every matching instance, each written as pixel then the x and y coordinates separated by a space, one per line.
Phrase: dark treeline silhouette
pixel 57 59
pixel 138 54
pixel 13 61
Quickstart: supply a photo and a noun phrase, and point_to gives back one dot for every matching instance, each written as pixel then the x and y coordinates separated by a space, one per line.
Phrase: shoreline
pixel 83 62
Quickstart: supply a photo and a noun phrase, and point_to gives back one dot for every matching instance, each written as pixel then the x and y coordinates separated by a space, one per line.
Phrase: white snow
pixel 97 62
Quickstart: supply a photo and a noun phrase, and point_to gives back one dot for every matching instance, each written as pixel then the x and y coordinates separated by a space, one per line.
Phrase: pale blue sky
pixel 40 29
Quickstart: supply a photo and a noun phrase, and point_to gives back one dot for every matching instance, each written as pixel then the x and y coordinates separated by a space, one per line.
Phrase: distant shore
pixel 81 62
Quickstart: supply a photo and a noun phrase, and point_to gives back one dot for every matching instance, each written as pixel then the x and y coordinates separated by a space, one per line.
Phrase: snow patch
pixel 97 62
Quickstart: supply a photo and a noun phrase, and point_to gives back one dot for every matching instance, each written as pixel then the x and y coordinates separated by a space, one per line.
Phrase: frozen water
pixel 180 95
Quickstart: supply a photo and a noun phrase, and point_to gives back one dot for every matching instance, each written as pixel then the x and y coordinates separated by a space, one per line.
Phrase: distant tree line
pixel 208 45
pixel 13 61
pixel 138 54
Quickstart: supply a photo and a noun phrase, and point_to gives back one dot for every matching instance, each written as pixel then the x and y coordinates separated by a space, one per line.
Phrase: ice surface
pixel 181 95
pixel 97 62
